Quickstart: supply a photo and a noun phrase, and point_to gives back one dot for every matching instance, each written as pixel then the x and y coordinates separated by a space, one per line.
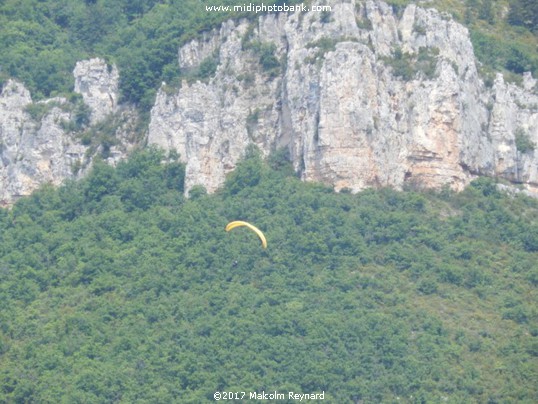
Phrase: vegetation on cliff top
pixel 504 33
pixel 118 289
pixel 41 40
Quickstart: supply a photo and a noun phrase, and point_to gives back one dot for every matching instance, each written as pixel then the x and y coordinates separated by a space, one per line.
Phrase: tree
pixel 248 173
pixel 486 11
pixel 524 13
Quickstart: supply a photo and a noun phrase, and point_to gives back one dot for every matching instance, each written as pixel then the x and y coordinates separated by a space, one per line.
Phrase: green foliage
pixel 101 136
pixel 280 162
pixel 486 11
pixel 364 23
pixel 502 41
pixel 327 44
pixel 38 110
pixel 116 288
pixel 80 112
pixel 203 72
pixel 407 65
pixel 208 67
pixel 323 45
pixel 398 6
pixel 426 61
pixel 504 54
pixel 419 28
pixel 197 191
pixel 41 40
pixel 502 46
pixel 525 13
pixel 325 17
pixel 80 116
pixel 253 117
pixel 247 174
pixel 252 121
pixel 265 51
pixel 401 64
pixel 523 142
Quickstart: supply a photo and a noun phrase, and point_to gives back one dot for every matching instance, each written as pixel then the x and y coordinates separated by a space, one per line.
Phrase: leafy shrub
pixel 197 191
pixel 80 117
pixel 486 11
pixel 266 54
pixel 398 6
pixel 419 28
pixel 524 13
pixel 364 23
pixel 101 136
pixel 487 186
pixel 253 117
pixel 407 65
pixel 520 61
pixel 280 161
pixel 523 142
pixel 501 53
pixel 324 45
pixel 38 110
pixel 208 67
pixel 427 286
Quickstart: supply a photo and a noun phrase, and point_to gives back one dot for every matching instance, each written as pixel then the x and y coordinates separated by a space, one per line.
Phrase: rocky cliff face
pixel 33 151
pixel 97 82
pixel 362 97
pixel 42 142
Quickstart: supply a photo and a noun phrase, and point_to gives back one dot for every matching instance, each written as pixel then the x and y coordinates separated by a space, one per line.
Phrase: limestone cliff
pixel 98 83
pixel 32 152
pixel 363 97
pixel 50 141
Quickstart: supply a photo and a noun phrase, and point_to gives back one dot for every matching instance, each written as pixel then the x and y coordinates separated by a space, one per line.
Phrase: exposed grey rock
pixel 32 152
pixel 340 108
pixel 36 145
pixel 347 116
pixel 98 83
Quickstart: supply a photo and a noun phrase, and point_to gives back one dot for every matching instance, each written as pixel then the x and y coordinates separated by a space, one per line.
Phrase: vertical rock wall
pixel 37 145
pixel 360 96
pixel 338 104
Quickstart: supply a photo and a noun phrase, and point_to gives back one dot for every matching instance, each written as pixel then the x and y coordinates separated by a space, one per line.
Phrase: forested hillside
pixel 41 40
pixel 117 289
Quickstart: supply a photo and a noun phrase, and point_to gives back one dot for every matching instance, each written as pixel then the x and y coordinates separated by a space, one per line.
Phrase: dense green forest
pixel 41 40
pixel 118 289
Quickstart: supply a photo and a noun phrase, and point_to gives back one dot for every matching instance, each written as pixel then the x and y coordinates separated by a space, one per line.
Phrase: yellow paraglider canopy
pixel 238 223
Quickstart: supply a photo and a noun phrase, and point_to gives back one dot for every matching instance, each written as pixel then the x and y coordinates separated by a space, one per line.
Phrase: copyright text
pixel 264 395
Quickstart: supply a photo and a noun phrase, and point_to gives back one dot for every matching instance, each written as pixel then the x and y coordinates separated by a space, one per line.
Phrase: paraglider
pixel 238 223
